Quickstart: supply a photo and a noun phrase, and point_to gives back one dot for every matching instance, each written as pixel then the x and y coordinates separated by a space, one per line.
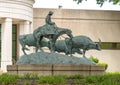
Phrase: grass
pixel 58 79
pixel 106 79
pixel 6 79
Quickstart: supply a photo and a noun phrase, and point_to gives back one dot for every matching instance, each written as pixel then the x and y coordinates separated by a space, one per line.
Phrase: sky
pixel 70 4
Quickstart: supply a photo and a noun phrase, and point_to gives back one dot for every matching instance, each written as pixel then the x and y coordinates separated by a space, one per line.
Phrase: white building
pixel 18 17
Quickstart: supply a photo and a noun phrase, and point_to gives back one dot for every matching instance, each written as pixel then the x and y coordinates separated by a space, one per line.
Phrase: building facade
pixel 18 17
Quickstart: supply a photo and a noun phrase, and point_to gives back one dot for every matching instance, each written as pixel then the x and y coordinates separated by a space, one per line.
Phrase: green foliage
pixel 89 80
pixel 106 79
pixel 8 79
pixel 30 75
pixel 52 79
pixel 79 82
pixel 78 1
pixel 115 1
pixel 27 75
pixel 103 64
pixel 27 83
pixel 101 2
pixel 96 60
pixel 76 77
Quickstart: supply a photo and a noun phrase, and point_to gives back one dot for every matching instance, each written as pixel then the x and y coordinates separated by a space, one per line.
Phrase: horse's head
pixel 69 33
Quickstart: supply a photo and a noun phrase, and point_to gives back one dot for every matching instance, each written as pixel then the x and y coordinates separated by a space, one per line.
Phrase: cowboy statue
pixel 51 27
pixel 50 31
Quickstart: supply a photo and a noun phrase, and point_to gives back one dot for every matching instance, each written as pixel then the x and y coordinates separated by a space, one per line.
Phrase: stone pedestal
pixel 60 69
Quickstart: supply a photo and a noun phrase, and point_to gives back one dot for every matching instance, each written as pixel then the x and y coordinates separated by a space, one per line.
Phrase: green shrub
pixel 52 79
pixel 27 83
pixel 89 80
pixel 103 64
pixel 30 75
pixel 110 79
pixel 106 79
pixel 8 79
pixel 27 75
pixel 96 60
pixel 76 77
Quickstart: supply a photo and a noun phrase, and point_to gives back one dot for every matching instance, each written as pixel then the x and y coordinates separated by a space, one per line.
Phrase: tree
pixel 101 2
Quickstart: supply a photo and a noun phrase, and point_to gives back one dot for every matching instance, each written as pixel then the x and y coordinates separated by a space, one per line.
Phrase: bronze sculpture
pixel 50 31
pixel 70 45
pixel 82 42
pixel 60 46
pixel 29 40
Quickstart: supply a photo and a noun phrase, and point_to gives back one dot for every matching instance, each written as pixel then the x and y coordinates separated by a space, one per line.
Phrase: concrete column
pixel 25 28
pixel 6 47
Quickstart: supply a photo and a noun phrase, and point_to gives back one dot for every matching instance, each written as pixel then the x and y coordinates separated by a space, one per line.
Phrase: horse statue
pixel 50 31
pixel 41 32
pixel 29 40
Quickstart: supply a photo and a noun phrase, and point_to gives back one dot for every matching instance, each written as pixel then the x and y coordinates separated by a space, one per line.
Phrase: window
pixel 14 42
pixel 110 45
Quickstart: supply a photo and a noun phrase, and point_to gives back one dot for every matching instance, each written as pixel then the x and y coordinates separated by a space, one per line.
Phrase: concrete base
pixel 56 69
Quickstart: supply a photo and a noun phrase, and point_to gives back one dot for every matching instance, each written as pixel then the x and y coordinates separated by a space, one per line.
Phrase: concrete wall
pixel 94 24
pixel 44 70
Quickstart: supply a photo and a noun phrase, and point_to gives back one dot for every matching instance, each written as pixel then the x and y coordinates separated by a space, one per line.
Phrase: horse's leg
pixel 37 43
pixel 23 44
pixel 24 48
pixel 71 52
pixel 51 47
pixel 40 44
pixel 24 51
pixel 36 50
pixel 51 43
pixel 84 53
